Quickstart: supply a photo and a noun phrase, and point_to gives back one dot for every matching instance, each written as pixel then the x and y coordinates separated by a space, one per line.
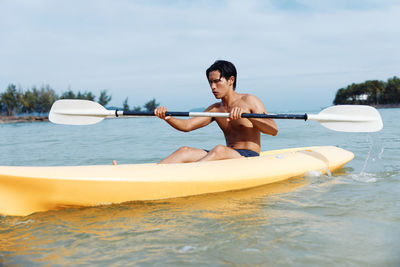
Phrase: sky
pixel 292 54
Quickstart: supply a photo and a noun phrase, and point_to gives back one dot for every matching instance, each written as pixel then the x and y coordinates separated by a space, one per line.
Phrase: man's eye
pixel 214 81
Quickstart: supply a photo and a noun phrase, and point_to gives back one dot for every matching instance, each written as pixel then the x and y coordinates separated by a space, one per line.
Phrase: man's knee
pixel 219 149
pixel 184 149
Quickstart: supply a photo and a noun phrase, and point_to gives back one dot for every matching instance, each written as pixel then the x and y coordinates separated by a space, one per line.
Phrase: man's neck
pixel 230 98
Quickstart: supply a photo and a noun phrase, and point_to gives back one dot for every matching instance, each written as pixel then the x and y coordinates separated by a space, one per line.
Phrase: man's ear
pixel 231 80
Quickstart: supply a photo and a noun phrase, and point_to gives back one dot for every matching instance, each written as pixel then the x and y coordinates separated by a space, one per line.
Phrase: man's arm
pixel 266 126
pixel 184 125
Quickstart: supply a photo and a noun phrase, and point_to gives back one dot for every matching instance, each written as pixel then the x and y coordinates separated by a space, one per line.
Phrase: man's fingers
pixel 160 112
pixel 235 114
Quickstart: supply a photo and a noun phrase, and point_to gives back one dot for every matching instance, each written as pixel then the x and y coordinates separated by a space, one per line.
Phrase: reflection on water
pixel 64 235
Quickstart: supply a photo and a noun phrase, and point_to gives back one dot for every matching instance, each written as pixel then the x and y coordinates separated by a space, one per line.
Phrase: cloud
pixel 300 49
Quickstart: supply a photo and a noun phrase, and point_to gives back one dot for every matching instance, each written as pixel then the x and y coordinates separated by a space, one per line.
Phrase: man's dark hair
pixel 226 68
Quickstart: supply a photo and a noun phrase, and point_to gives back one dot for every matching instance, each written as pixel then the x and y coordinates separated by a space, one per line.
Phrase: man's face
pixel 219 85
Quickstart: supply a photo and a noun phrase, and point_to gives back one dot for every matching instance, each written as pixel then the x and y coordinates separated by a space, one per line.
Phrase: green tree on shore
pixel 68 95
pixel 86 95
pixel 151 105
pixel 71 95
pixel 39 101
pixel 104 98
pixel 392 92
pixel 125 105
pixel 136 108
pixel 46 98
pixel 372 92
pixel 14 101
pixel 11 100
pixel 30 101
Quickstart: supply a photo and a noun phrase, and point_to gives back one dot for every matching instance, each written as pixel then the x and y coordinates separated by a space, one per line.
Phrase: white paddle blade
pixel 349 118
pixel 78 112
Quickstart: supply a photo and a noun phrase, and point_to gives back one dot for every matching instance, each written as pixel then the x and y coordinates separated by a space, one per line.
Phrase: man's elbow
pixel 186 128
pixel 273 132
pixel 274 129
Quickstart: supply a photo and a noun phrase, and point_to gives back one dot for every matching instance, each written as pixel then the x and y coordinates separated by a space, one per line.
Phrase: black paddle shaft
pixel 244 115
pixel 275 116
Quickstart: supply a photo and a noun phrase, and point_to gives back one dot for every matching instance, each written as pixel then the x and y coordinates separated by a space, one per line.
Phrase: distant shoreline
pixel 18 119
pixel 387 106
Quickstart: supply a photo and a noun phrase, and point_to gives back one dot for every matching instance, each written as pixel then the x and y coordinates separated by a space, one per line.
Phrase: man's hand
pixel 160 112
pixel 236 113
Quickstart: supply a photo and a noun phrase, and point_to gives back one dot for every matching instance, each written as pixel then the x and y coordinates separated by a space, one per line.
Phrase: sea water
pixel 348 218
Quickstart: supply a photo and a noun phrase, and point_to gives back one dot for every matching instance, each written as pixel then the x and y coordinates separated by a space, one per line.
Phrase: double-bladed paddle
pixel 344 118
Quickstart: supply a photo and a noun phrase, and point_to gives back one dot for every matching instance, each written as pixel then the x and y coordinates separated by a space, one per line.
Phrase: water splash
pixel 373 163
pixel 316 174
pixel 328 172
pixel 187 249
pixel 313 174
pixel 365 177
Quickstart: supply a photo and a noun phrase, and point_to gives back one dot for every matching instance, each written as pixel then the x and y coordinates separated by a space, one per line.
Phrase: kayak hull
pixel 25 190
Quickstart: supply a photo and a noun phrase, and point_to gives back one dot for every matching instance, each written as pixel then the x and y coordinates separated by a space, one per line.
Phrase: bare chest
pixel 228 126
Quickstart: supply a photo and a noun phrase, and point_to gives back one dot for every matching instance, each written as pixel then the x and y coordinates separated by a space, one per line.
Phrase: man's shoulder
pixel 253 103
pixel 249 97
pixel 214 106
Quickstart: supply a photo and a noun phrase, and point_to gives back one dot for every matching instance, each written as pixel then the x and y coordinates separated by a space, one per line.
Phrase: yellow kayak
pixel 25 190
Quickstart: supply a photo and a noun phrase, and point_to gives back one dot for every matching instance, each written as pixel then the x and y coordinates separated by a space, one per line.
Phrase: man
pixel 242 135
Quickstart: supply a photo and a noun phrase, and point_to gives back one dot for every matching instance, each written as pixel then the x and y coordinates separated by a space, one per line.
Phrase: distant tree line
pixel 39 100
pixel 372 92
pixel 149 106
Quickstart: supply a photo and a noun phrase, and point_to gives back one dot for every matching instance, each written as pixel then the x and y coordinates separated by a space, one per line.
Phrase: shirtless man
pixel 242 135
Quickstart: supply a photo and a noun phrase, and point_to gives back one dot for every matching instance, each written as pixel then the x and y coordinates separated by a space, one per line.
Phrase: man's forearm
pixel 178 124
pixel 266 126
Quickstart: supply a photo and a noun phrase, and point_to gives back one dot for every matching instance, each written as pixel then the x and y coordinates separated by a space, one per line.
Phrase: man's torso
pixel 239 134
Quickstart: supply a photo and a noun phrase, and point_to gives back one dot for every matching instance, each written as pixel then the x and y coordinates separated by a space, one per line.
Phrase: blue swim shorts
pixel 247 153
pixel 243 152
